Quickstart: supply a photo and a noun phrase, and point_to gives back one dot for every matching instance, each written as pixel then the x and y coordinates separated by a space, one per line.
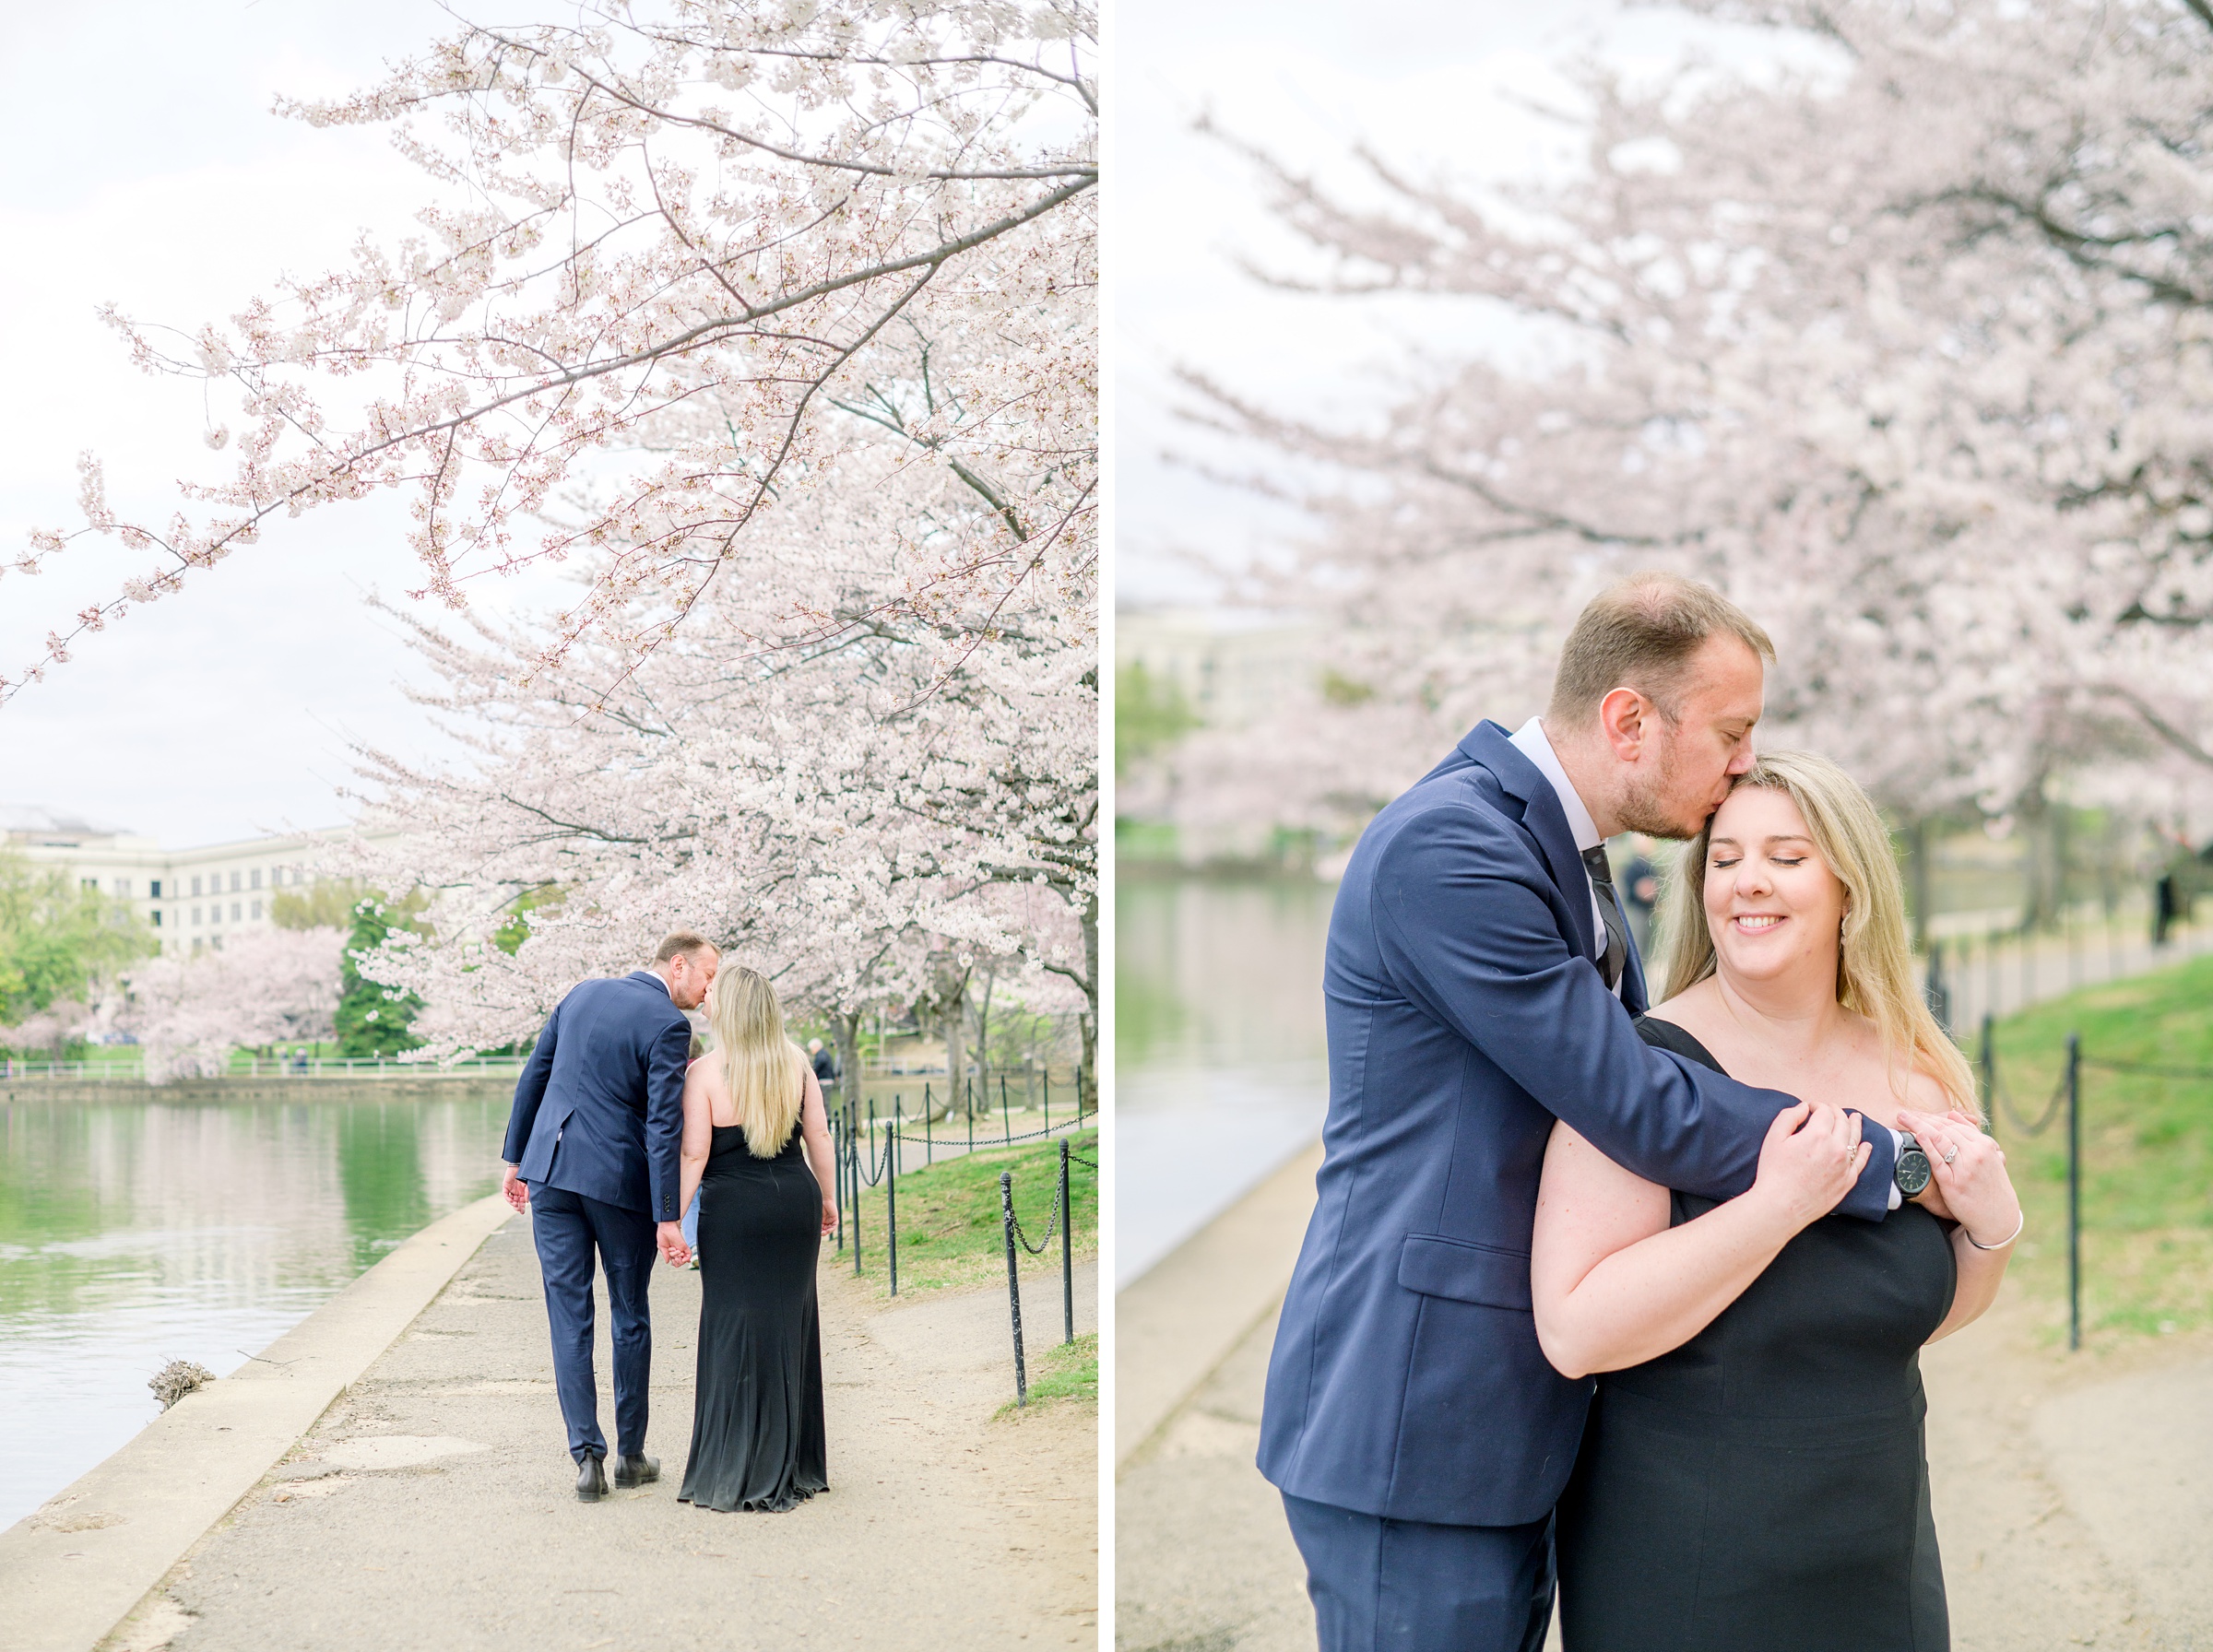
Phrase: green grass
pixel 950 1229
pixel 1064 1370
pixel 2147 1152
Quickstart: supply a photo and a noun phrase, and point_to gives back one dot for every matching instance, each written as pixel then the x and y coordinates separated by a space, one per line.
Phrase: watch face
pixel 1913 1170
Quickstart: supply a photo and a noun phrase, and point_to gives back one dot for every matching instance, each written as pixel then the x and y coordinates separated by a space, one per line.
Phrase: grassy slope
pixel 950 1227
pixel 2148 1151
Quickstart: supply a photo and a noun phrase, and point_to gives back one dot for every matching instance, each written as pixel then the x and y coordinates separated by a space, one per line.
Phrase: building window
pixel 257 909
pixel 157 917
pixel 195 889
pixel 235 914
pixel 195 918
pixel 122 888
pixel 154 890
pixel 90 884
pixel 256 880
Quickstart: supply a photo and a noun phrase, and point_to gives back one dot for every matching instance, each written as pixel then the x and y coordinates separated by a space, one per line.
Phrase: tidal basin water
pixel 132 1234
pixel 1221 1063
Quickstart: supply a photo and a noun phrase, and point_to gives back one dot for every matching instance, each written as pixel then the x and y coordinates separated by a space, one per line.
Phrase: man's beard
pixel 1645 808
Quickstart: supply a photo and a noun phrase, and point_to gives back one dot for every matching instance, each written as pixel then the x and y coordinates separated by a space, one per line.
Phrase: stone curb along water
pixel 71 1571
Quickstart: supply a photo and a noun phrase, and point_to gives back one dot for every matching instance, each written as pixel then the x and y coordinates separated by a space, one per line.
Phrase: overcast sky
pixel 1440 88
pixel 143 166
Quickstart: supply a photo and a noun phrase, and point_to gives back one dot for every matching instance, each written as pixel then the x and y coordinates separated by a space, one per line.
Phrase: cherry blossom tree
pixel 678 256
pixel 264 986
pixel 856 810
pixel 1906 342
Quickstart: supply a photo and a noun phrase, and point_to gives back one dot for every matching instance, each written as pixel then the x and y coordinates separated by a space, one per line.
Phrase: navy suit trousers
pixel 1407 1585
pixel 569 1228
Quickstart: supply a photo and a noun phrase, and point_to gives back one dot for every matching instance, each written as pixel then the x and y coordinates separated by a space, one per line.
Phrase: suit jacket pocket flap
pixel 1466 1271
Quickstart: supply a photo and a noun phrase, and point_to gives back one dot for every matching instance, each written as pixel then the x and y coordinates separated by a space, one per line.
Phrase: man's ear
pixel 1625 718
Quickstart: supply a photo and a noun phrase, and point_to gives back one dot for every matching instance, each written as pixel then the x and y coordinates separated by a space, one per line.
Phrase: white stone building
pixel 1230 669
pixel 192 898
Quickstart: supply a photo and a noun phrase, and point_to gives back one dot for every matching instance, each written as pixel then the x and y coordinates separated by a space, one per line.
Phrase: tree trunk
pixel 955 1021
pixel 983 1038
pixel 1089 1090
pixel 847 1028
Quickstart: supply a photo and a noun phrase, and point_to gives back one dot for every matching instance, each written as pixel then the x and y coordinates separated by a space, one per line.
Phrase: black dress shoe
pixel 637 1470
pixel 591 1480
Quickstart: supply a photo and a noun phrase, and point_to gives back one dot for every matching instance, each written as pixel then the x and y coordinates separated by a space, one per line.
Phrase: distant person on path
pixel 824 1062
pixel 592 1152
pixel 756 1146
pixel 1641 891
pixel 1480 984
pixel 1754 1471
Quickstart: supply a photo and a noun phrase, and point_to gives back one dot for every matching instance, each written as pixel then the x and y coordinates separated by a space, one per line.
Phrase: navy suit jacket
pixel 599 1109
pixel 1465 1014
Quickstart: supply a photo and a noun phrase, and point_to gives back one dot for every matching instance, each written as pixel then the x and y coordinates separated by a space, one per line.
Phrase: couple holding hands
pixel 614 1130
pixel 1627 1294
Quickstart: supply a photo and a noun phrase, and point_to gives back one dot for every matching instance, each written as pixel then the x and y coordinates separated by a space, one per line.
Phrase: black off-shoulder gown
pixel 1765 1485
pixel 757 1435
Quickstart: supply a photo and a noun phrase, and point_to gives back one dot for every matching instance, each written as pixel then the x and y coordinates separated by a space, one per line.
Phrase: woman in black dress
pixel 1753 1475
pixel 750 1105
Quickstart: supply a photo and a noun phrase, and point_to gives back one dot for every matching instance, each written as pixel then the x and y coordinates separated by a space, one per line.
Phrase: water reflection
pixel 137 1234
pixel 1221 1065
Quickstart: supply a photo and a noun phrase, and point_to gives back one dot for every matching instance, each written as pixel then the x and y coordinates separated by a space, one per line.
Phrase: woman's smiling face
pixel 1772 905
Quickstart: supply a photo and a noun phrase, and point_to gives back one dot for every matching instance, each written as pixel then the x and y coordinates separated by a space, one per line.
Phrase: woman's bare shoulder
pixel 1693 1009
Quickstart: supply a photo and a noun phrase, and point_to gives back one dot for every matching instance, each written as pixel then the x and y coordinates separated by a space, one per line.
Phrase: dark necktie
pixel 1609 908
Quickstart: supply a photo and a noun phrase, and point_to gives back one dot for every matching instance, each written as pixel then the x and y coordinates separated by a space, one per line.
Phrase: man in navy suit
pixel 1480 982
pixel 592 1148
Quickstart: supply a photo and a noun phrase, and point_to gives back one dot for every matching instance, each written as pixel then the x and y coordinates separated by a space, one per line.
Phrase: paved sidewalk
pixel 2073 1497
pixel 432 1507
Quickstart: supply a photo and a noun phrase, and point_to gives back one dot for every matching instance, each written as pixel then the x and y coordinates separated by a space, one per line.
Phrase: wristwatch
pixel 1912 1172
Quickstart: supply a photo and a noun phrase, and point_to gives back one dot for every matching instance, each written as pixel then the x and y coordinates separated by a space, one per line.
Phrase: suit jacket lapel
pixel 1518 778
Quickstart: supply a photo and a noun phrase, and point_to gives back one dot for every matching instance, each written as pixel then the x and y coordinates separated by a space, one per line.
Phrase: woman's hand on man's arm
pixel 1612 1285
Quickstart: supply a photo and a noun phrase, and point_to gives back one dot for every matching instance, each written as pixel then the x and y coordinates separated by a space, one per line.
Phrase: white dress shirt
pixel 1531 740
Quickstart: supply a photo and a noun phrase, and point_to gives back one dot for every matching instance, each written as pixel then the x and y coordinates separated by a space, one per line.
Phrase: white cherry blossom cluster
pixel 1910 350
pixel 676 254
pixel 856 797
pixel 261 986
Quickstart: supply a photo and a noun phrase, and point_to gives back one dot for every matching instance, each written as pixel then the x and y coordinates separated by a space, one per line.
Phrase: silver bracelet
pixel 2002 1243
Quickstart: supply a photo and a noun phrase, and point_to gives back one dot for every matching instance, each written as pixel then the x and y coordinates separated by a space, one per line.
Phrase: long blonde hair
pixel 1875 959
pixel 766 1072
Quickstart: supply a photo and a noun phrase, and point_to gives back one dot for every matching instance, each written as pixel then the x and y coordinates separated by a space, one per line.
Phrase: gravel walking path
pixel 432 1506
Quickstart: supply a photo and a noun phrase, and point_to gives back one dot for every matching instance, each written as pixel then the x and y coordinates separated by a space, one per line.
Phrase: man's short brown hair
pixel 1641 633
pixel 680 944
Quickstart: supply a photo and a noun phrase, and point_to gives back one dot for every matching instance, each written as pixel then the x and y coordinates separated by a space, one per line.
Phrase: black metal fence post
pixel 1068 1266
pixel 2074 1190
pixel 972 1116
pixel 1048 1101
pixel 856 1181
pixel 1006 1119
pixel 928 1151
pixel 1006 1214
pixel 898 1121
pixel 891 1206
